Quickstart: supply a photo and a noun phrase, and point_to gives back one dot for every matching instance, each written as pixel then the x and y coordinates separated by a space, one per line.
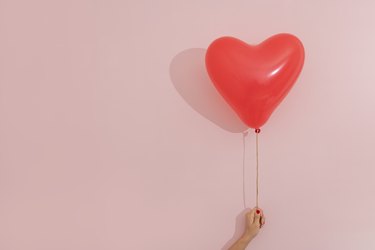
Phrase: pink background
pixel 111 136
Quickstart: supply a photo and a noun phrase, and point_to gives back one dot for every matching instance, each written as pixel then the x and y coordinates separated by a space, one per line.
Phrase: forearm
pixel 241 243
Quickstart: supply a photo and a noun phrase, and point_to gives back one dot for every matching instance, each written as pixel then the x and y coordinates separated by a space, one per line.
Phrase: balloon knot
pixel 257 130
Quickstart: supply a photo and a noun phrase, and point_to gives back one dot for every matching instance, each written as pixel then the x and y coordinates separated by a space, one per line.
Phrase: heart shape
pixel 254 79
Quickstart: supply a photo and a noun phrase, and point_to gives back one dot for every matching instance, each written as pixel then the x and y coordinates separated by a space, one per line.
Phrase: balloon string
pixel 257 167
pixel 257 180
pixel 243 168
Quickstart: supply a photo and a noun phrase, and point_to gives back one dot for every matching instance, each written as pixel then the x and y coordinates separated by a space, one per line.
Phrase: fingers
pixel 262 221
pixel 258 215
pixel 250 216
pixel 259 219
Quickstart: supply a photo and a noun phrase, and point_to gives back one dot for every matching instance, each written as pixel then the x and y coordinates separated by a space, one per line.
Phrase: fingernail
pixel 258 212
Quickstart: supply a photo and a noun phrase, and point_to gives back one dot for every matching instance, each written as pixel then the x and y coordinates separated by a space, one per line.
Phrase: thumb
pixel 257 216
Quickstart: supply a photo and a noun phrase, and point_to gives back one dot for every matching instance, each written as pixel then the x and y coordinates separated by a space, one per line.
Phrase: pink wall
pixel 111 136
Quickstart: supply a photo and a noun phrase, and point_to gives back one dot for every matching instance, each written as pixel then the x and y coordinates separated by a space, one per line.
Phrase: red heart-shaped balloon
pixel 255 79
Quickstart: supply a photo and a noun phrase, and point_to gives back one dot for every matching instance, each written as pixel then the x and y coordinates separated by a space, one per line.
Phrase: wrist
pixel 250 234
pixel 246 237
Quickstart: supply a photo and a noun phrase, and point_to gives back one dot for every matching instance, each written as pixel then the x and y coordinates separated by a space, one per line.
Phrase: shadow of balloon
pixel 239 229
pixel 189 77
pixel 188 74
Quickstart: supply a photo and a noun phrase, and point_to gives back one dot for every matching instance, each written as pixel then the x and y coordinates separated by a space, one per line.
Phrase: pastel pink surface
pixel 99 150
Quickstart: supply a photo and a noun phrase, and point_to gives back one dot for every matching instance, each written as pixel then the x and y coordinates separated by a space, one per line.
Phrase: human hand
pixel 255 220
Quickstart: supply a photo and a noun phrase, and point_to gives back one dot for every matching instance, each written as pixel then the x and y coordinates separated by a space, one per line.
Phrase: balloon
pixel 254 79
